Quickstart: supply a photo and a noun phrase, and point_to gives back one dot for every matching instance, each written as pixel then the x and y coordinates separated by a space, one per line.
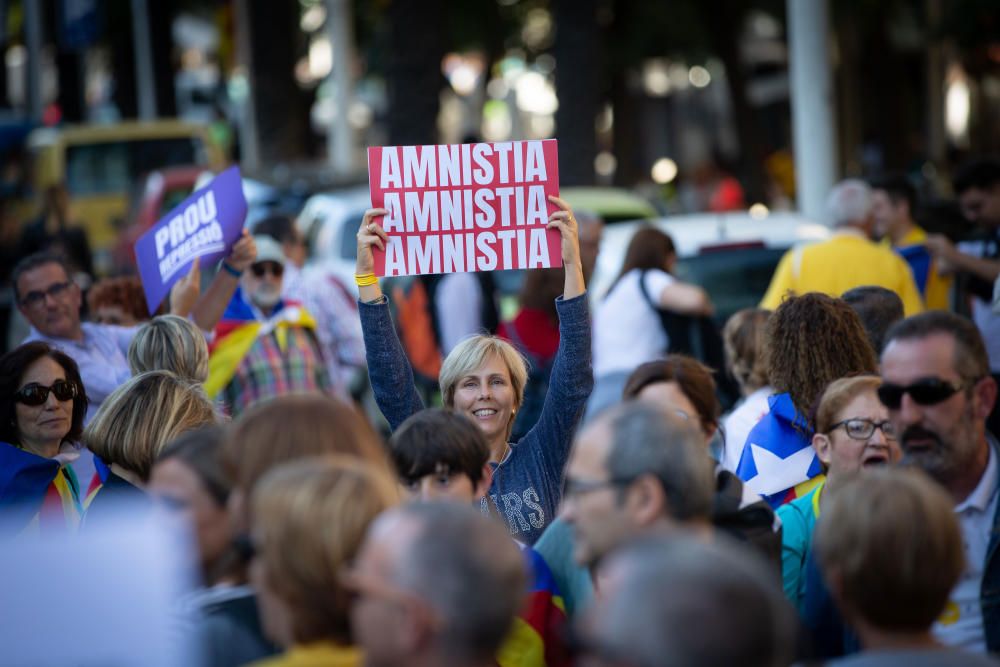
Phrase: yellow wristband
pixel 365 279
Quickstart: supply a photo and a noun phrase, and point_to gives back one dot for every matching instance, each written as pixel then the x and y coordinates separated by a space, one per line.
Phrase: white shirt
pixel 627 332
pixel 961 624
pixel 738 424
pixel 459 303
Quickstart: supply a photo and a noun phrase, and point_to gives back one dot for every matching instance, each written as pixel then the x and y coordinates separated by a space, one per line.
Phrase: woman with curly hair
pixel 812 340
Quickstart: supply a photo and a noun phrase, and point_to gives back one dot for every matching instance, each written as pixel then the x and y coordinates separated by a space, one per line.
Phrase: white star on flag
pixel 775 474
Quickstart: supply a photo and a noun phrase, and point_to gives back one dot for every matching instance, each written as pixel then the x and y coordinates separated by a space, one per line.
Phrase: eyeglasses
pixel 37 297
pixel 862 429
pixel 573 488
pixel 36 394
pixel 926 391
pixel 261 268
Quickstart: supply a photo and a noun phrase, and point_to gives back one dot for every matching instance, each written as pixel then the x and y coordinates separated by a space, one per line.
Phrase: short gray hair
pixel 674 595
pixel 170 343
pixel 850 202
pixel 468 569
pixel 647 440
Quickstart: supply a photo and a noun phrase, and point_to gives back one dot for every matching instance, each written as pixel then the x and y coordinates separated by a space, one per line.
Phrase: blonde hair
pixel 472 353
pixel 140 417
pixel 838 394
pixel 892 541
pixel 170 343
pixel 309 519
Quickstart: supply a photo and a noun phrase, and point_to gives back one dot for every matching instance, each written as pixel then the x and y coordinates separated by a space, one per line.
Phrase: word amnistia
pixel 453 165
pixel 471 251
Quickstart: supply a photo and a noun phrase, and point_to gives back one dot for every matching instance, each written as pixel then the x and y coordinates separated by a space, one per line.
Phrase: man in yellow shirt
pixel 848 259
pixel 893 202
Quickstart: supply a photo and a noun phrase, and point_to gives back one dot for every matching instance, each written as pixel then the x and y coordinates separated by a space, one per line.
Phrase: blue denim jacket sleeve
pixel 388 368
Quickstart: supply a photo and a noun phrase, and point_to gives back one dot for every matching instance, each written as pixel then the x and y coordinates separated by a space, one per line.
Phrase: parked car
pixel 100 165
pixel 614 205
pixel 731 255
pixel 329 222
pixel 158 194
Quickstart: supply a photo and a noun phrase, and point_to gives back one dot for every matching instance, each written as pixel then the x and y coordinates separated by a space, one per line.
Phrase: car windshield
pixel 735 279
pixel 113 166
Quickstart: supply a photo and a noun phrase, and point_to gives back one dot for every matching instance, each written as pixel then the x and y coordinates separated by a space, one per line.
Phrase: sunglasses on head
pixel 261 268
pixel 927 391
pixel 37 394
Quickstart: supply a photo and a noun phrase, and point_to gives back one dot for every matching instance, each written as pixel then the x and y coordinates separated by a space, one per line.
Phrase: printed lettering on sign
pixel 465 208
pixel 207 224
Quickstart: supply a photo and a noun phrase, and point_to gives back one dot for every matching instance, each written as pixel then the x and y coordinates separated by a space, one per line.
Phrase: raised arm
pixel 572 375
pixel 209 309
pixel 565 222
pixel 388 368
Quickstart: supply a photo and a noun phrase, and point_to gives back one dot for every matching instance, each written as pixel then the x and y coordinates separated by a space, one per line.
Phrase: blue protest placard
pixel 207 224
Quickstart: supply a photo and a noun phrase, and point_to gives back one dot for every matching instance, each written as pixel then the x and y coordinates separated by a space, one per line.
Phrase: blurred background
pixel 111 110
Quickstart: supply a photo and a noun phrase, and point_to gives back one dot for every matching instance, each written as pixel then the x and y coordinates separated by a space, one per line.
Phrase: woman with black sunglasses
pixel 42 407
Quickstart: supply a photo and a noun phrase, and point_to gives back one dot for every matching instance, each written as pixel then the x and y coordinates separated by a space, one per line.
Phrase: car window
pixel 349 235
pixel 734 279
pixel 113 166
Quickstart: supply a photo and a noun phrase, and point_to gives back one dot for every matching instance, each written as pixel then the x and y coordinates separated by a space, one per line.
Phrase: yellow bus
pixel 102 164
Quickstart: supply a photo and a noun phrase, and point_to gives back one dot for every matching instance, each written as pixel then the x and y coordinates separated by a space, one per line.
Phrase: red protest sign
pixel 465 207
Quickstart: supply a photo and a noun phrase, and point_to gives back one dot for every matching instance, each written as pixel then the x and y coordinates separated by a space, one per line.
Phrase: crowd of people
pixel 605 511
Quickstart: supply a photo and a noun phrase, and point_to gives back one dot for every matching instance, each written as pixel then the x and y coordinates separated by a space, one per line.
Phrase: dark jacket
pixel 526 488
pixel 751 522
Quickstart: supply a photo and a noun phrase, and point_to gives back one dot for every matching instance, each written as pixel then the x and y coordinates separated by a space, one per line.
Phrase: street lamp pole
pixel 812 104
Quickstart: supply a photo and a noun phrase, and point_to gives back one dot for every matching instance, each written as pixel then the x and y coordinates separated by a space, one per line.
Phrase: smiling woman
pixel 483 378
pixel 42 406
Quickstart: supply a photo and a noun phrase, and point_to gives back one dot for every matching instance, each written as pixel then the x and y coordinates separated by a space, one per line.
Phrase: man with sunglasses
pixel 939 392
pixel 977 186
pixel 265 346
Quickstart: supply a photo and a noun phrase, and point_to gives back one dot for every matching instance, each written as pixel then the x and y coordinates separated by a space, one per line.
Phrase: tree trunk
pixel 416 48
pixel 161 17
pixel 625 105
pixel 281 108
pixel 118 15
pixel 725 21
pixel 69 65
pixel 577 50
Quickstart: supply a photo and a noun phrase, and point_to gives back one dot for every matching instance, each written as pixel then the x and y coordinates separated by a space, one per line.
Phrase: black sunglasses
pixel 37 394
pixel 32 299
pixel 261 268
pixel 926 391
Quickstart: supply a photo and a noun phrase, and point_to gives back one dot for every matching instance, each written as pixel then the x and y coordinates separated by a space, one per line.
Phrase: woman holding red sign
pixel 483 378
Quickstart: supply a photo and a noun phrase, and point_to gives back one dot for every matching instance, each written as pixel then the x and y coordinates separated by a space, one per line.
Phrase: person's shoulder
pixel 945 657
pixel 796 512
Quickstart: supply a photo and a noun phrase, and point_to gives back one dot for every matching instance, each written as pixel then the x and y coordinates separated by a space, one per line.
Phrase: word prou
pixel 194 231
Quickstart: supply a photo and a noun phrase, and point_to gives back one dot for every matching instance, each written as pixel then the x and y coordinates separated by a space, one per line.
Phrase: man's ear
pixel 483 487
pixel 646 502
pixel 985 393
